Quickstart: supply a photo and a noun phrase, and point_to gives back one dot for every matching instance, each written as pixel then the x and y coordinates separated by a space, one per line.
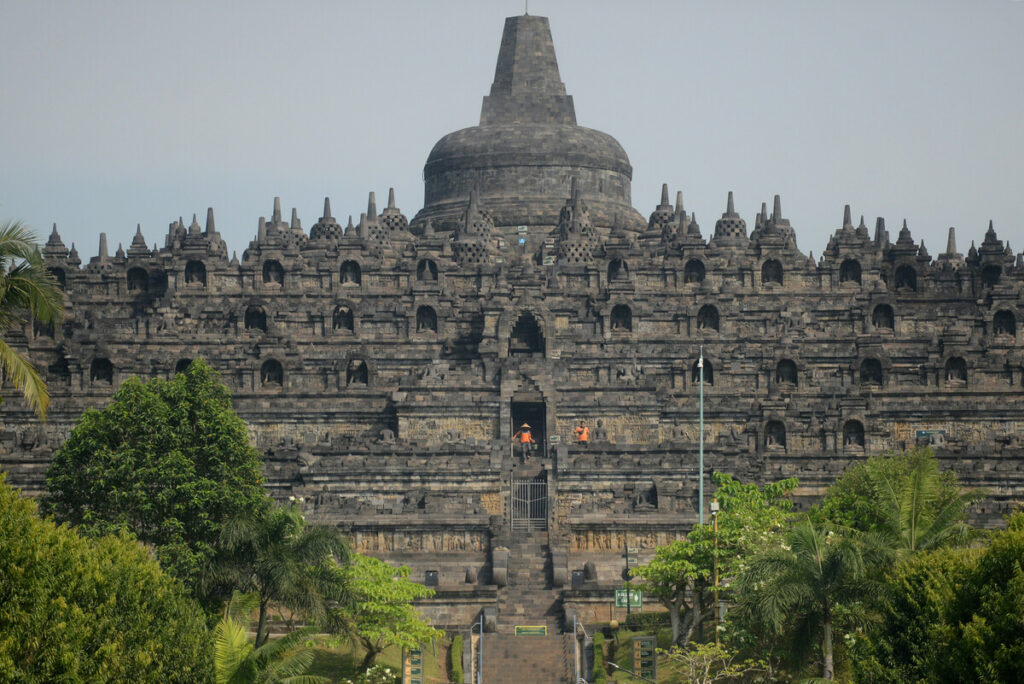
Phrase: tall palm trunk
pixel 828 669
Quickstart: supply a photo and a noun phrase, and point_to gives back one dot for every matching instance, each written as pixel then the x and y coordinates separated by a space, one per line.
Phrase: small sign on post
pixel 531 630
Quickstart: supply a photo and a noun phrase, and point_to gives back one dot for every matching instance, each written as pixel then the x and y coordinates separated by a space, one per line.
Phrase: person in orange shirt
pixel 582 433
pixel 525 438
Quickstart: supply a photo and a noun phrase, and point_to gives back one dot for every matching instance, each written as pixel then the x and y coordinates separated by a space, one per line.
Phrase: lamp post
pixel 714 526
pixel 700 484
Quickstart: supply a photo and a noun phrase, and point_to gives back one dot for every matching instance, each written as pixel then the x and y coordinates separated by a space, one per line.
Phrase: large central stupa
pixel 522 157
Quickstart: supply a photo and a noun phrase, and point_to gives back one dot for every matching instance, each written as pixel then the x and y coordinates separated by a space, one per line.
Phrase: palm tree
pixel 799 586
pixel 921 510
pixel 237 661
pixel 27 292
pixel 279 557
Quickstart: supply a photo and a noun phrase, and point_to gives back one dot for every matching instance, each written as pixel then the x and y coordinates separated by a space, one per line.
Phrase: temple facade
pixel 383 367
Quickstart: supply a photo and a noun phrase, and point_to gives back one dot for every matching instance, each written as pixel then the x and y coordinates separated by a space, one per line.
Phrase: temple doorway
pixel 533 414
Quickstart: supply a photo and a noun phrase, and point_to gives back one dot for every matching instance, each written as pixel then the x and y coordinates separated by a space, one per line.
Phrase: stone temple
pixel 383 367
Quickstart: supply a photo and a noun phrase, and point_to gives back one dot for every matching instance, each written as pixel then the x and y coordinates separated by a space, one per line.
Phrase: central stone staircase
pixel 529 601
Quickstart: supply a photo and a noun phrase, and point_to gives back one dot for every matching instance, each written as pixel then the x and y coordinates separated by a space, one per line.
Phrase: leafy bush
pixel 600 674
pixel 455 654
pixel 77 609
pixel 377 674
pixel 647 621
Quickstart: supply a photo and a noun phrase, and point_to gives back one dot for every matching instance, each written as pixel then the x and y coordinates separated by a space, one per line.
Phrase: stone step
pixel 510 659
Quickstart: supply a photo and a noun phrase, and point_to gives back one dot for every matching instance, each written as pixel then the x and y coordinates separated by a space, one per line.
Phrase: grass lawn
pixel 343 662
pixel 623 653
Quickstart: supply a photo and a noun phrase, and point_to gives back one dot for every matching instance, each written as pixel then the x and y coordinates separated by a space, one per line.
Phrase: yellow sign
pixel 531 630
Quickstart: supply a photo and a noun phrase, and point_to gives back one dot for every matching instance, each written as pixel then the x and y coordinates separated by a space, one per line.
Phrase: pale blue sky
pixel 122 112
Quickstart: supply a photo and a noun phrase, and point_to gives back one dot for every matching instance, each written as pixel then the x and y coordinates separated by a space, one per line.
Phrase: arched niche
pixel 1004 323
pixel 526 337
pixel 956 371
pixel 618 270
pixel 426 319
pixel 883 317
pixel 426 271
pixel 351 273
pixel 195 273
pixel 621 318
pixel 182 365
pixel 138 279
pixel 786 373
pixel 775 435
pixel 991 274
pixel 871 372
pixel 709 373
pixel 255 318
pixel 273 272
pixel 707 318
pixel 905 278
pixel 853 434
pixel 771 272
pixel 59 275
pixel 357 373
pixel 101 371
pixel 272 373
pixel 343 319
pixel 694 271
pixel 849 271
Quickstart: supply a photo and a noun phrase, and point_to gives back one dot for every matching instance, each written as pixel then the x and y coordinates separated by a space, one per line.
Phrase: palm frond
pixel 231 649
pixel 24 376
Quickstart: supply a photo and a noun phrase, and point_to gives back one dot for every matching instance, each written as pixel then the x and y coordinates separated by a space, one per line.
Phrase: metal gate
pixel 529 509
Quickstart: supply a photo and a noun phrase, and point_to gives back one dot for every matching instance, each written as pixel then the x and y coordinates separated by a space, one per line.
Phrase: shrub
pixel 600 674
pixel 455 654
pixel 647 621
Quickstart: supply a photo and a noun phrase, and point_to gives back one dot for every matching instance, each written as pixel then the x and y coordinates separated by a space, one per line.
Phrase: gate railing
pixel 529 505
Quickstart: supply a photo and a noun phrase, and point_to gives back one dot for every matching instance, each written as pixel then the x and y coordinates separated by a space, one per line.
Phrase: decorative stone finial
pixel 679 203
pixel 193 228
pixel 371 206
pixel 730 209
pixel 261 230
pixel 664 194
pixel 103 255
pixel 391 198
pixel 777 209
pixel 951 241
pixel 276 216
pixel 350 227
pixel 327 210
pixel 295 225
pixel 119 254
pixel 211 226
pixel 847 221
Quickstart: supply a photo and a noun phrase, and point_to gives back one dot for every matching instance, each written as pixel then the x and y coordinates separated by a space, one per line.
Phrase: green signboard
pixel 636 598
pixel 531 630
pixel 645 657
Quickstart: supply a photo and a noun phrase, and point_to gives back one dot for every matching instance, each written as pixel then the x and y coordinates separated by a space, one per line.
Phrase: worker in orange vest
pixel 525 438
pixel 582 433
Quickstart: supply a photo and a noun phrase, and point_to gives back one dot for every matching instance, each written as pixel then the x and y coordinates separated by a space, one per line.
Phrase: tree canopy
pixel 90 609
pixel 169 461
pixel 27 292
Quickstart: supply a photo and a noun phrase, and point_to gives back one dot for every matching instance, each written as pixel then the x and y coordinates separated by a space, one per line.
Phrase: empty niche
pixel 990 275
pixel 357 373
pixel 774 435
pixel 871 372
pixel 526 336
pixel 956 371
pixel 426 271
pixel 1004 323
pixel 255 318
pixel 617 270
pixel 694 271
pixel 707 318
pixel 272 373
pixel 60 369
pixel 905 278
pixel 182 365
pixel 849 271
pixel 785 373
pixel 426 319
pixel 882 317
pixel 771 272
pixel 101 370
pixel 195 273
pixel 343 319
pixel 622 318
pixel 853 434
pixel 709 373
pixel 273 272
pixel 138 279
pixel 351 274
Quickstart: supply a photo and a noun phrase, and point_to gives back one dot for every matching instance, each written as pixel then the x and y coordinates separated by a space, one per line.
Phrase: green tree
pixel 705 664
pixel 27 292
pixel 77 609
pixel 802 588
pixel 168 460
pixel 280 558
pixel 238 661
pixel 380 611
pixel 680 574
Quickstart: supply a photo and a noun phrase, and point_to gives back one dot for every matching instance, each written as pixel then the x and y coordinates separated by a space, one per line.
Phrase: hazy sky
pixel 114 113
